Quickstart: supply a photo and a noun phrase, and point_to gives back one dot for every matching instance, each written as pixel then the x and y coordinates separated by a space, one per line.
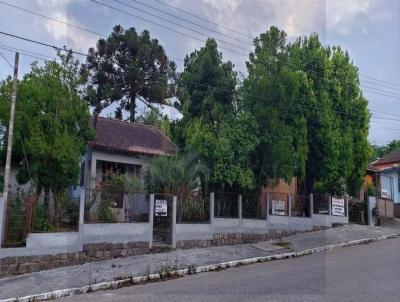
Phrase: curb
pixel 182 272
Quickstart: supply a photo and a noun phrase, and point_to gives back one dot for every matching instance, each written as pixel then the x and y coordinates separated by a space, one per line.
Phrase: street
pixel 359 273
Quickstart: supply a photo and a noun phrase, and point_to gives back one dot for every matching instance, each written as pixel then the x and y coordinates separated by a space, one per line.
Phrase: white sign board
pixel 279 207
pixel 337 206
pixel 161 207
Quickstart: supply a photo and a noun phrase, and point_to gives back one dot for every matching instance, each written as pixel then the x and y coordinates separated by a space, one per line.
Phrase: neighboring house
pixel 389 169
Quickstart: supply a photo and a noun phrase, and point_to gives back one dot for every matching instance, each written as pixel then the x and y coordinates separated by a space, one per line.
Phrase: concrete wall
pixel 46 244
pixel 290 223
pixel 327 220
pixel 115 232
pixel 194 231
pixel 226 225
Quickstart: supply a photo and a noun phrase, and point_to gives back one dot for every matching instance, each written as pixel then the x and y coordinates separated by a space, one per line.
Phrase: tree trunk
pixel 46 204
pixel 132 108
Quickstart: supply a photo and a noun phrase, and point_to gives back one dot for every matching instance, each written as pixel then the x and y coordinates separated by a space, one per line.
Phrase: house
pixel 389 169
pixel 124 148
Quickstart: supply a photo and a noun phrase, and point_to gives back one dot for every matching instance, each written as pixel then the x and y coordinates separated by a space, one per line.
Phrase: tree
pixel 313 118
pixel 379 151
pixel 206 87
pixel 273 94
pixel 51 124
pixel 155 118
pixel 212 124
pixel 126 66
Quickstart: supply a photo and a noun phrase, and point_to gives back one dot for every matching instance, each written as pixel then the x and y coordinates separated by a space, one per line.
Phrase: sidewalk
pixel 111 270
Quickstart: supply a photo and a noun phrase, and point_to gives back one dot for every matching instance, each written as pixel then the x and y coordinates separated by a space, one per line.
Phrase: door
pixel 162 222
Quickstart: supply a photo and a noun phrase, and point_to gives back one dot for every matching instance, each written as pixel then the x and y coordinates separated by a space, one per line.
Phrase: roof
pixel 124 137
pixel 390 158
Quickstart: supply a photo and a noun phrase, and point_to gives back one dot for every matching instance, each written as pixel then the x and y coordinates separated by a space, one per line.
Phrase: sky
pixel 368 29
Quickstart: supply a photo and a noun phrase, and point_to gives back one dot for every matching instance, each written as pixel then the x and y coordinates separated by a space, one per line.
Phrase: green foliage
pixel 156 119
pixel 310 111
pixel 205 86
pixel 177 175
pixel 51 124
pixel 40 222
pixel 126 66
pixel 227 149
pixel 212 124
pixel 379 151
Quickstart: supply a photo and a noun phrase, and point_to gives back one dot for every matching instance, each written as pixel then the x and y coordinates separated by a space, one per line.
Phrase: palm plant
pixel 178 175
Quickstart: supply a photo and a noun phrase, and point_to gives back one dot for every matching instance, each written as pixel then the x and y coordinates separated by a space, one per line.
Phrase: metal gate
pixel 162 222
pixel 358 212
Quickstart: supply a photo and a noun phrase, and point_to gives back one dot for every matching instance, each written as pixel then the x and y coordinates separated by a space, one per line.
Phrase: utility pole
pixel 3 202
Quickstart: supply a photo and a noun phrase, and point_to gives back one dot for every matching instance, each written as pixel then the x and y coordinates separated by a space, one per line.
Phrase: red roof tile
pixel 118 136
pixel 391 157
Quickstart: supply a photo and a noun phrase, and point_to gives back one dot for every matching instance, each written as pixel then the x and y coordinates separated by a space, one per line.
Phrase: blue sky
pixel 368 29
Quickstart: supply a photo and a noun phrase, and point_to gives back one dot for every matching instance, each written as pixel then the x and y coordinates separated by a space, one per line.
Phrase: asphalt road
pixel 359 273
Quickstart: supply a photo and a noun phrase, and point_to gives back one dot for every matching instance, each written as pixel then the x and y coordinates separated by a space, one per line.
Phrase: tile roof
pixel 391 157
pixel 118 136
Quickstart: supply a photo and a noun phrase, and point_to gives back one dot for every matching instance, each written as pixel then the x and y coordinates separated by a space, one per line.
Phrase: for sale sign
pixel 161 207
pixel 278 207
pixel 337 206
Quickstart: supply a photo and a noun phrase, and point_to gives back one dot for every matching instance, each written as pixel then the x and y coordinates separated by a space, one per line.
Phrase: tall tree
pixel 313 117
pixel 51 124
pixel 212 124
pixel 207 85
pixel 126 66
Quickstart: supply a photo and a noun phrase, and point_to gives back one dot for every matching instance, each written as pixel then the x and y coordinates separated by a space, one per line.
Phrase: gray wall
pixel 115 232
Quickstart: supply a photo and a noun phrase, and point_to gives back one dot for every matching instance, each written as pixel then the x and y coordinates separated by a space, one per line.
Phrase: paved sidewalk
pixel 110 270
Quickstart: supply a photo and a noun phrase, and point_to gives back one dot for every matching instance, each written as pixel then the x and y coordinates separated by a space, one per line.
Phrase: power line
pixel 381 81
pixel 381 90
pixel 189 22
pixel 162 26
pixel 27 53
pixel 384 92
pixel 200 84
pixel 181 26
pixel 5 59
pixel 375 83
pixel 41 43
pixel 368 89
pixel 49 18
pixel 204 19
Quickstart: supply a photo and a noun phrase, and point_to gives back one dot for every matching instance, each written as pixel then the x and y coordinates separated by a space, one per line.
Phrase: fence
pixel 163 215
pixel 321 204
pixel 226 205
pixel 300 206
pixel 115 206
pixel 386 207
pixel 278 204
pixel 16 221
pixel 61 216
pixel 193 209
pixel 252 207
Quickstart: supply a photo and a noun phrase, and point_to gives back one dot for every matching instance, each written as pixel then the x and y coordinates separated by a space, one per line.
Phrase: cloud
pixel 344 15
pixel 62 33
